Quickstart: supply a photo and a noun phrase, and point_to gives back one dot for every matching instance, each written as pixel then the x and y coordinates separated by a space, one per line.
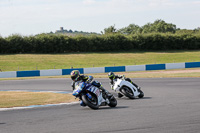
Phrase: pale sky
pixel 30 17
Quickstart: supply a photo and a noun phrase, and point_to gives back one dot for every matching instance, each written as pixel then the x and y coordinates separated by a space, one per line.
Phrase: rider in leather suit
pixel 75 76
pixel 113 77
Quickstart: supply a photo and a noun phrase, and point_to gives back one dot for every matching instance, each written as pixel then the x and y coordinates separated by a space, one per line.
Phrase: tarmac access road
pixel 170 105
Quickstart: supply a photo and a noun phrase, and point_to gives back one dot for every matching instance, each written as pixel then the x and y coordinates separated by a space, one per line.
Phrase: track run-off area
pixel 170 105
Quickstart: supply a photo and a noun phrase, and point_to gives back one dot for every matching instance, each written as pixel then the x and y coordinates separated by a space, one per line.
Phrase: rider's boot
pixel 120 95
pixel 82 104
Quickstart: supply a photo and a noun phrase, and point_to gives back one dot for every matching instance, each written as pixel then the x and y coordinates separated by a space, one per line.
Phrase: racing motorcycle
pixel 92 96
pixel 126 88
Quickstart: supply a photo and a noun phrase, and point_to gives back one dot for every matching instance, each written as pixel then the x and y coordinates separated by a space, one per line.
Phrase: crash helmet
pixel 111 75
pixel 75 75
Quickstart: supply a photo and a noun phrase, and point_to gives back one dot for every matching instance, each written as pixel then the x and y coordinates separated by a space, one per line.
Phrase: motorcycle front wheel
pixel 128 92
pixel 91 102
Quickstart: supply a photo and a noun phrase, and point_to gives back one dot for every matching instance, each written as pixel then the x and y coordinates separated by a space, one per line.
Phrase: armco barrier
pixel 57 72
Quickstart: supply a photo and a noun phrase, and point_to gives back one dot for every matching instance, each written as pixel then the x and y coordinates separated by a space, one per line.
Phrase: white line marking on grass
pixel 37 106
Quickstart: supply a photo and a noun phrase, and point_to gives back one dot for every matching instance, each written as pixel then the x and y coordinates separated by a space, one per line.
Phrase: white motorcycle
pixel 126 88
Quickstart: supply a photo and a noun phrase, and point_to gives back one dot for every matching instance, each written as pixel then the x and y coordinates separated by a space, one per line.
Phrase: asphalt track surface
pixel 170 105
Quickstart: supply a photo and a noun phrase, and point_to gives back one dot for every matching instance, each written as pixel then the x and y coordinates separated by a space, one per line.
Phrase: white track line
pixel 37 106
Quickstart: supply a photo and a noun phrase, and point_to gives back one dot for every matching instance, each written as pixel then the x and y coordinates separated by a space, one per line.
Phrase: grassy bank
pixel 19 62
pixel 20 99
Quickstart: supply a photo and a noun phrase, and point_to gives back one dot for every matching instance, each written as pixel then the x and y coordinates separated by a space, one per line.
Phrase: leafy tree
pixel 110 30
pixel 197 29
pixel 159 26
pixel 131 29
pixel 147 28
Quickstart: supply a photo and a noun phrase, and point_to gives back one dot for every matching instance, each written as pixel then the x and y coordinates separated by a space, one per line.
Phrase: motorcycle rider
pixel 113 77
pixel 75 76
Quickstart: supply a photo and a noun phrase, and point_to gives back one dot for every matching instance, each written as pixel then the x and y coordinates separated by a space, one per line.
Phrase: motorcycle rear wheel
pixel 113 102
pixel 141 93
pixel 90 102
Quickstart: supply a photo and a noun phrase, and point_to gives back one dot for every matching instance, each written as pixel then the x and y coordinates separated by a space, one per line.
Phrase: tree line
pixel 158 26
pixel 104 43
pixel 152 36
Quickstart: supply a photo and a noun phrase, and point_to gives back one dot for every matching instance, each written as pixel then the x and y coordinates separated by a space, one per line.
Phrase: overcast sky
pixel 30 17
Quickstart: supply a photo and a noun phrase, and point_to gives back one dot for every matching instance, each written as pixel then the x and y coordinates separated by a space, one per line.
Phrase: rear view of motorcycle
pixel 92 96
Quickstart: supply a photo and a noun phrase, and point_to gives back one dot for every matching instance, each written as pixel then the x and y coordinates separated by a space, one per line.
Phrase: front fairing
pixel 117 84
pixel 79 87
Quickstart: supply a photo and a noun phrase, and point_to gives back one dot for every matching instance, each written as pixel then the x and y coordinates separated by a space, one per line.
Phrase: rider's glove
pixel 90 78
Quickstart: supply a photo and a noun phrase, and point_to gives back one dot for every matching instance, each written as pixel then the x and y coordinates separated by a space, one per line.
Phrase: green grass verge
pixel 20 62
pixel 21 99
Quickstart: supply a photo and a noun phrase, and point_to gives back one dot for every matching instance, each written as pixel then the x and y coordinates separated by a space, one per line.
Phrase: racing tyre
pixel 91 102
pixel 141 93
pixel 128 92
pixel 113 102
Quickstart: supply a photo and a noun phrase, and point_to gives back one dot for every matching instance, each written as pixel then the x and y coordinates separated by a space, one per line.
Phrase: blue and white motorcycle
pixel 92 96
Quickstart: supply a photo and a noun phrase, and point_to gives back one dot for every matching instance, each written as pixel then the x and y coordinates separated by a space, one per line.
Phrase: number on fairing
pixel 95 90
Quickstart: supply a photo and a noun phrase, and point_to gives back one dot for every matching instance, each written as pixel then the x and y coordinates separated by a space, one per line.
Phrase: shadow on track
pixel 118 107
pixel 146 98
pixel 126 98
pixel 106 107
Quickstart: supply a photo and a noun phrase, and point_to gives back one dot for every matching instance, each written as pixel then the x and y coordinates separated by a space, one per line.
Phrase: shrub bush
pixel 45 43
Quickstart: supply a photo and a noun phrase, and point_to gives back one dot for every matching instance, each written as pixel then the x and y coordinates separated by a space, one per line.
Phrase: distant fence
pixel 59 72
